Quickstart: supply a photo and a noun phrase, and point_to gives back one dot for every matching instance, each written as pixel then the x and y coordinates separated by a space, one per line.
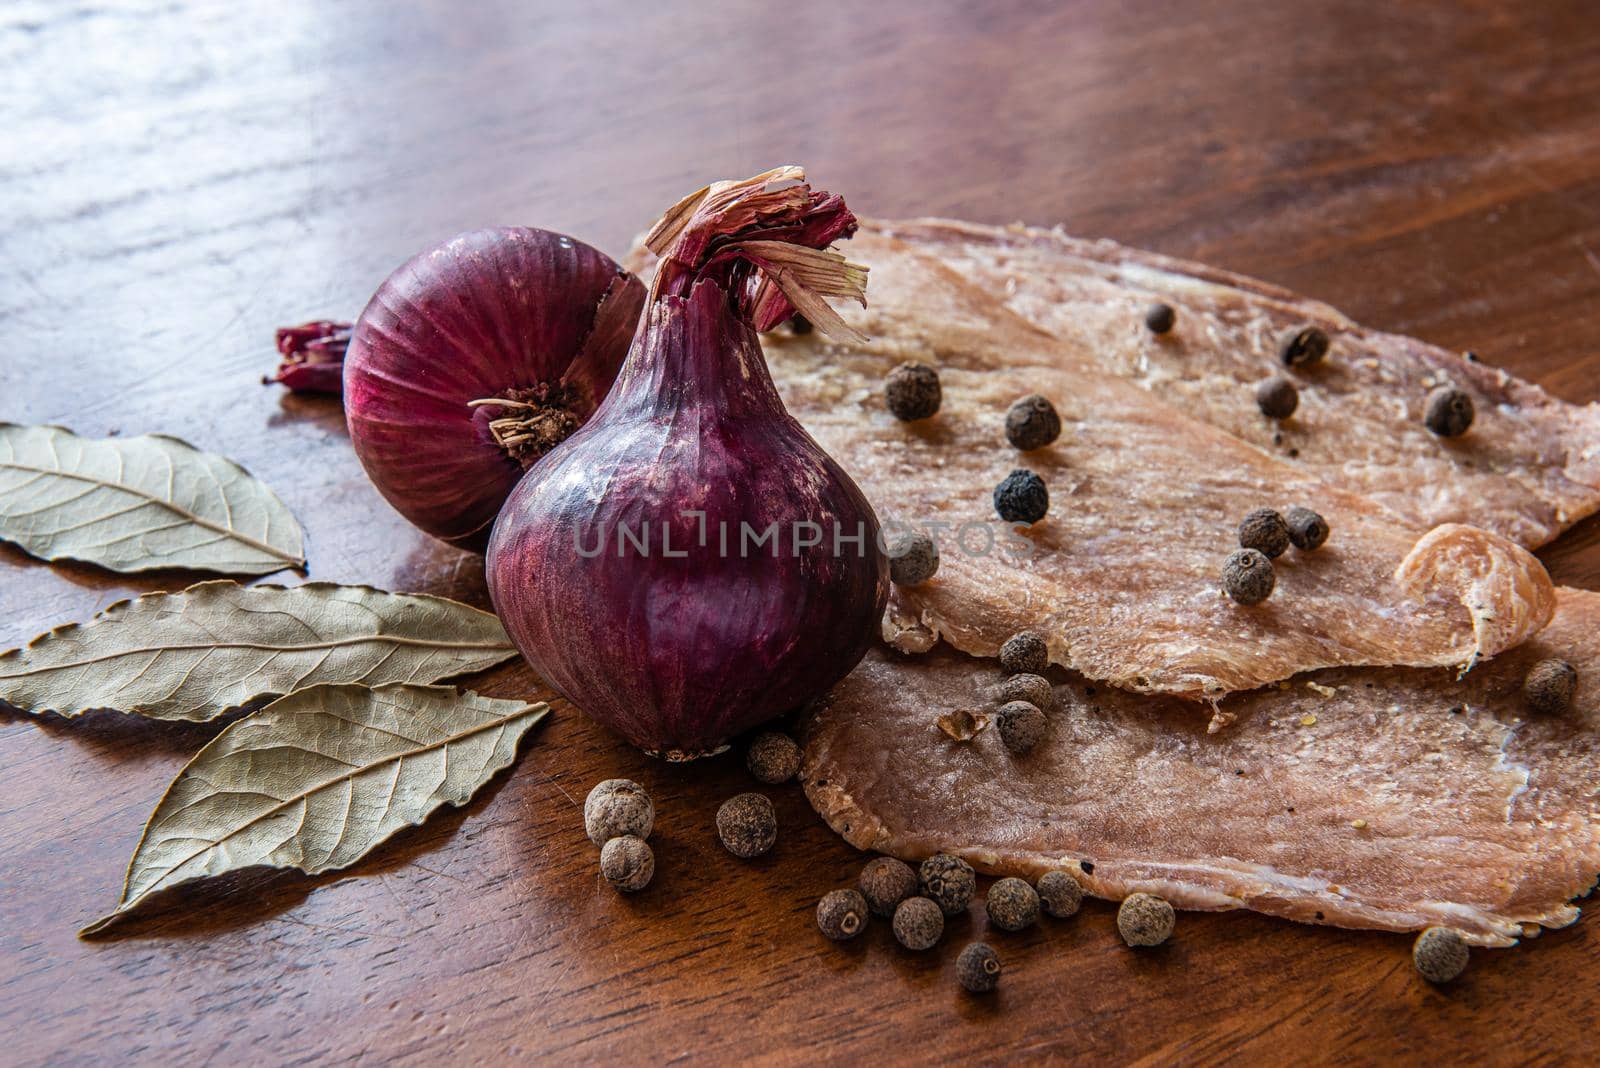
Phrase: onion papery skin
pixel 489 311
pixel 679 654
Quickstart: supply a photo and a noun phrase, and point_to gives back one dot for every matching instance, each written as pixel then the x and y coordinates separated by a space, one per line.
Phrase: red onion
pixel 473 360
pixel 629 565
pixel 313 356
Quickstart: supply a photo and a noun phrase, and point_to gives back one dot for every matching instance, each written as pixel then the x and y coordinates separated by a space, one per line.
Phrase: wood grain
pixel 181 178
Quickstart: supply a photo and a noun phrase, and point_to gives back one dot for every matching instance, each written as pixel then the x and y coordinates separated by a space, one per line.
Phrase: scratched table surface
pixel 178 179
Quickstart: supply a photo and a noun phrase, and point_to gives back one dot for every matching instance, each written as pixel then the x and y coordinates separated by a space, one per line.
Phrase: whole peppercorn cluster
pixel 1440 954
pixel 978 968
pixel 949 881
pixel 1024 653
pixel 1145 920
pixel 747 826
pixel 1247 576
pixel 1303 346
pixel 1264 531
pixel 912 392
pixel 842 914
pixel 886 882
pixel 618 816
pixel 1549 686
pixel 1449 412
pixel 1021 497
pixel 1011 904
pixel 1032 423
pixel 1277 397
pixel 913 559
pixel 1059 893
pixel 773 758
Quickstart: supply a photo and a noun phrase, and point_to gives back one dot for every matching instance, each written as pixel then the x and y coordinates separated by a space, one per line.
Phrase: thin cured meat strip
pixel 1360 797
pixel 1528 468
pixel 1122 576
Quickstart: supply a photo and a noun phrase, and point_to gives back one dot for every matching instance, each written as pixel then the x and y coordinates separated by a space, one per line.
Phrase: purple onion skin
pixel 678 654
pixel 487 311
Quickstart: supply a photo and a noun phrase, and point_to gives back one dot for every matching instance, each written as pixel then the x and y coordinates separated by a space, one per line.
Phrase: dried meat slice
pixel 1360 797
pixel 1122 577
pixel 1529 467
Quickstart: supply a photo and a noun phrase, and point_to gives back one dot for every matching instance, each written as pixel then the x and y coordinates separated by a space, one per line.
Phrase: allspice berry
pixel 1024 653
pixel 1159 318
pixel 1032 423
pixel 1549 686
pixel 1303 346
pixel 978 968
pixel 1440 954
pixel 842 914
pixel 1449 412
pixel 1021 726
pixel 1021 497
pixel 913 559
pixel 627 863
pixel 617 807
pixel 1247 577
pixel 1265 531
pixel 912 392
pixel 1059 893
pixel 1277 397
pixel 773 758
pixel 1034 689
pixel 918 923
pixel 1307 529
pixel 885 882
pixel 1011 904
pixel 949 881
pixel 747 825
pixel 1145 920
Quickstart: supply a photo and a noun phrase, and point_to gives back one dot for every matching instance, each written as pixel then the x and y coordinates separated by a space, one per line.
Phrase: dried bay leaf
pixel 217 645
pixel 137 504
pixel 315 780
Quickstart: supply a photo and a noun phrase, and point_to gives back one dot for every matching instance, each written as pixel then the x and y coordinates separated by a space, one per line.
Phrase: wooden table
pixel 178 179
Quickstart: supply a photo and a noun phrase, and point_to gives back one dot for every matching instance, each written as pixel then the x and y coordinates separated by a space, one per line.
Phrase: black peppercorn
pixel 1277 397
pixel 1449 412
pixel 1265 531
pixel 1011 904
pixel 1549 686
pixel 912 391
pixel 1060 893
pixel 1160 318
pixel 913 559
pixel 617 807
pixel 885 882
pixel 773 758
pixel 1307 529
pixel 949 881
pixel 747 825
pixel 1021 497
pixel 1032 423
pixel 1247 577
pixel 800 324
pixel 978 968
pixel 1145 920
pixel 1303 346
pixel 1021 726
pixel 842 914
pixel 1440 954
pixel 1024 653
pixel 627 863
pixel 918 923
pixel 1034 689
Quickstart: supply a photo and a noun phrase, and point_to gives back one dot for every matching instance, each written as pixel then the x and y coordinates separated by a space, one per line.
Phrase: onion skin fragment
pixel 489 314
pixel 691 639
pixel 313 357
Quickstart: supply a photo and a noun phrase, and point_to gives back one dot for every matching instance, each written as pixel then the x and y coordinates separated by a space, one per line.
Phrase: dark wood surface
pixel 178 179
